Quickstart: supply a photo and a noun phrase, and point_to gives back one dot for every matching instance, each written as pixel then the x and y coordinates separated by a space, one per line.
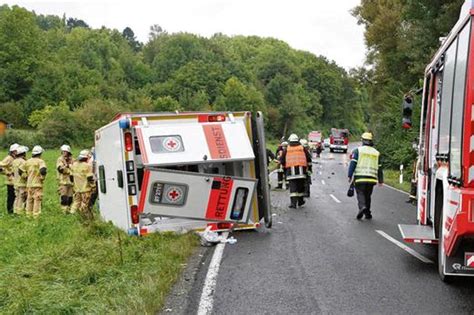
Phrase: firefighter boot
pixel 360 214
pixel 301 201
pixel 293 203
pixel 368 214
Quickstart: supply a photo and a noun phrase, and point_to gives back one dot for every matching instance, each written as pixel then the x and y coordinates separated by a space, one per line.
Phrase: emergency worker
pixel 297 161
pixel 95 192
pixel 308 182
pixel 35 170
pixel 365 171
pixel 19 180
pixel 281 170
pixel 6 168
pixel 84 184
pixel 63 174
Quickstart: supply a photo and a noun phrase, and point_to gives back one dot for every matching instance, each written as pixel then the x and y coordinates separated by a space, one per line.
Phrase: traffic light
pixel 407 106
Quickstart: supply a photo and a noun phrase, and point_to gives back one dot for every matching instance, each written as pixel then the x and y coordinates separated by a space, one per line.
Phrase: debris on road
pixel 211 238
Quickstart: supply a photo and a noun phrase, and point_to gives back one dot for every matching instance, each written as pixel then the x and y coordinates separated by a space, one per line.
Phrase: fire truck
pixel 183 171
pixel 315 139
pixel 339 140
pixel 445 195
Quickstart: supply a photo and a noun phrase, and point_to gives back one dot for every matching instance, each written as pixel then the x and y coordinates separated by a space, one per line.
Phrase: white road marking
pixel 396 189
pixel 323 182
pixel 404 247
pixel 207 297
pixel 334 198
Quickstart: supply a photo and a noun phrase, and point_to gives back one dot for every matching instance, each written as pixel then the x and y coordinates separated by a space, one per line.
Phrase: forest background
pixel 60 79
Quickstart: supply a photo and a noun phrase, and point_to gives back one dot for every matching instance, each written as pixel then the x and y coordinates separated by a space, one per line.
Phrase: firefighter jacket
pixel 83 176
pixel 35 170
pixel 365 165
pixel 63 170
pixel 297 161
pixel 6 168
pixel 19 179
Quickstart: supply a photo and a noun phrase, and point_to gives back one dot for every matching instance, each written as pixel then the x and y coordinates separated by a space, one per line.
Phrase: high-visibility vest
pixel 367 165
pixel 295 156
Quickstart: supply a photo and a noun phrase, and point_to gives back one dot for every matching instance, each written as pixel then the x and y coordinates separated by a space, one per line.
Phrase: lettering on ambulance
pixel 219 198
pixel 216 141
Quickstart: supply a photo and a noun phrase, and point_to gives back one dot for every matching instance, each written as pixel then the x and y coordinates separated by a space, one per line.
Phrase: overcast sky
pixel 323 27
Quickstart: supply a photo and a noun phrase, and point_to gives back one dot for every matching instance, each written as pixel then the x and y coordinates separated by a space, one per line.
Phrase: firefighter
pixel 95 192
pixel 35 170
pixel 280 170
pixel 308 181
pixel 365 171
pixel 297 162
pixel 84 185
pixel 63 174
pixel 19 180
pixel 6 168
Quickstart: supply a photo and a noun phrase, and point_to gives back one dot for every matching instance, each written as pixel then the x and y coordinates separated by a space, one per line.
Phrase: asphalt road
pixel 320 259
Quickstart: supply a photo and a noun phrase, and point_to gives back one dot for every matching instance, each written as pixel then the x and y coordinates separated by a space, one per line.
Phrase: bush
pixel 29 138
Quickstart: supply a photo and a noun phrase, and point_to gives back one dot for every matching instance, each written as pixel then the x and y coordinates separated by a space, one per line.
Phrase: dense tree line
pixel 402 37
pixel 59 74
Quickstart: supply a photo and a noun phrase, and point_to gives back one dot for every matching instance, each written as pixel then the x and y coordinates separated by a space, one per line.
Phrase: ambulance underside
pixel 180 172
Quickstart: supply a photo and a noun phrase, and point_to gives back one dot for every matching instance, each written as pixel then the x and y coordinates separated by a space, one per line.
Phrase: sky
pixel 323 27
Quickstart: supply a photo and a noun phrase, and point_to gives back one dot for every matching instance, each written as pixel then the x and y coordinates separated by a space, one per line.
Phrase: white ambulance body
pixel 182 171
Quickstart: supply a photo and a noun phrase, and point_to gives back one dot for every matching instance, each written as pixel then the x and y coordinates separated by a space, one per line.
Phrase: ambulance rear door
pixel 193 143
pixel 197 196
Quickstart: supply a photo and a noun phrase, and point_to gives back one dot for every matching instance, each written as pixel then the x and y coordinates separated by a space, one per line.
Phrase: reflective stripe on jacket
pixel 367 165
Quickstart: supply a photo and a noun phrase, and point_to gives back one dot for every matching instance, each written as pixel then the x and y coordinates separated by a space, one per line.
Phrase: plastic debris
pixel 211 238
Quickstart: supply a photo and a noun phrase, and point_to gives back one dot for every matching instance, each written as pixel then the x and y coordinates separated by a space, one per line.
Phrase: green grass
pixel 58 265
pixel 392 178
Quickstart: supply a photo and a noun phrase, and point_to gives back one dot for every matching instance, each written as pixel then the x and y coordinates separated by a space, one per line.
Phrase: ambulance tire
pixel 441 255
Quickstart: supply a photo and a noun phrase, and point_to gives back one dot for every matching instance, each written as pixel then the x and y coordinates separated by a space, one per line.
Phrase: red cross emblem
pixel 172 144
pixel 174 194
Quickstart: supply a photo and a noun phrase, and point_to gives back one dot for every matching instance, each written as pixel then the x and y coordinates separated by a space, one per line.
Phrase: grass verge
pixel 392 178
pixel 57 264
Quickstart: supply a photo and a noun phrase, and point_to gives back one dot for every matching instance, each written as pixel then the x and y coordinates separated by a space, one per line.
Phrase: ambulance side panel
pixel 113 203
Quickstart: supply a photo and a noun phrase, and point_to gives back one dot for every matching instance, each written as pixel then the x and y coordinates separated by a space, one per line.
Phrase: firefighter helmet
pixel 304 142
pixel 293 138
pixel 367 136
pixel 66 148
pixel 21 150
pixel 37 150
pixel 284 144
pixel 84 154
pixel 14 147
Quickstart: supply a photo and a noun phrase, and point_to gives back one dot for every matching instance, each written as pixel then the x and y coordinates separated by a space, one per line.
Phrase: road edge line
pixel 396 189
pixel 405 247
pixel 206 303
pixel 334 198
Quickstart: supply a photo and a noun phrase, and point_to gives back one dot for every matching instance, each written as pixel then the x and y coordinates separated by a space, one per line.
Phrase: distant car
pixel 326 143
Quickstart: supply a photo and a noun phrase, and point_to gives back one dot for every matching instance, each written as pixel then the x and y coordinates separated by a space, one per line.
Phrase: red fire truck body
pixel 445 206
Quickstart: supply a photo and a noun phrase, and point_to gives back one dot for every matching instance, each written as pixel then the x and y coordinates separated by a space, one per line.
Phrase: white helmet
pixel 84 154
pixel 284 144
pixel 293 138
pixel 304 142
pixel 66 148
pixel 21 149
pixel 14 147
pixel 37 150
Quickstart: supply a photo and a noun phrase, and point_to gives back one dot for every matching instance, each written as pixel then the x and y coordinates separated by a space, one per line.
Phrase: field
pixel 392 178
pixel 57 264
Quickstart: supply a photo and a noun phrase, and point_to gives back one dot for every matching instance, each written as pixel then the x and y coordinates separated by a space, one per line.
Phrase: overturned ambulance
pixel 182 171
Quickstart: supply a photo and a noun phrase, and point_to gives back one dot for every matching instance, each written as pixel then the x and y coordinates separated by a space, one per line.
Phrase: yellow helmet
pixel 367 136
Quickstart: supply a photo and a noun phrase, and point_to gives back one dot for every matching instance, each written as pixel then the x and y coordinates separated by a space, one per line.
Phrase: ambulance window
pixel 239 203
pixel 102 179
pixel 446 99
pixel 137 147
pixel 140 177
pixel 458 102
pixel 166 144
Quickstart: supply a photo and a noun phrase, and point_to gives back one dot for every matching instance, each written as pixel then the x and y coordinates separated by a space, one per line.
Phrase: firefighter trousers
pixel 10 198
pixel 65 195
pixel 81 204
pixel 33 201
pixel 297 191
pixel 364 195
pixel 281 178
pixel 307 186
pixel 20 199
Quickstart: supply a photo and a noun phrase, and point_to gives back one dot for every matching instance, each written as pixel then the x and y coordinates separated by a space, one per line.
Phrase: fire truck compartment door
pixel 196 196
pixel 186 143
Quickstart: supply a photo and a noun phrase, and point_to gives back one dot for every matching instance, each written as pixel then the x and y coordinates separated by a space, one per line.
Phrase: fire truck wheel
pixel 442 257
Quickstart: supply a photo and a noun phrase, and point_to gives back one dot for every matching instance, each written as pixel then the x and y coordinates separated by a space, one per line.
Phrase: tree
pixel 129 35
pixel 73 23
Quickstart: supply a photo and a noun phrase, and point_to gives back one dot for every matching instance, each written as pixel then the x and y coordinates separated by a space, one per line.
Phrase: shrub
pixel 29 138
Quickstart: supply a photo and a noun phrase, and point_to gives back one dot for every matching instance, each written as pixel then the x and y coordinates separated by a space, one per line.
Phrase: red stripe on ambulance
pixel 219 198
pixel 216 141
pixel 146 179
